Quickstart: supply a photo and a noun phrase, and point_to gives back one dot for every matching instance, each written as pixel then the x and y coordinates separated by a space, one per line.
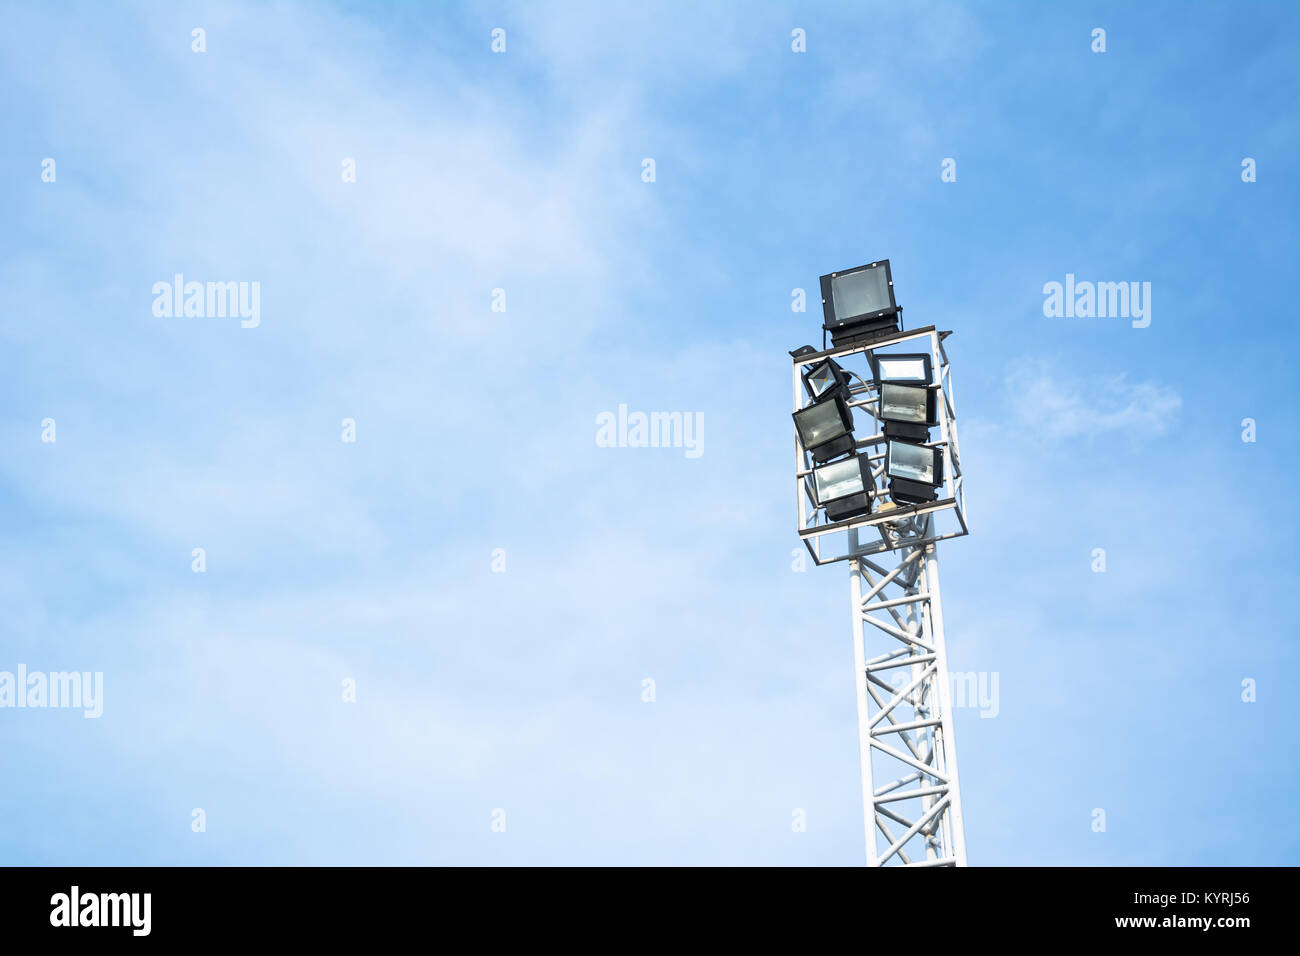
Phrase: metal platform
pixel 828 541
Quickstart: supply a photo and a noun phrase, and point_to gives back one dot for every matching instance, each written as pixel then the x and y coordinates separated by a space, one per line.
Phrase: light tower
pixel 882 502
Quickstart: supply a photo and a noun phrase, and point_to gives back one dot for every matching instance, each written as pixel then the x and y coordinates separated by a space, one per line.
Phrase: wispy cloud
pixel 1060 404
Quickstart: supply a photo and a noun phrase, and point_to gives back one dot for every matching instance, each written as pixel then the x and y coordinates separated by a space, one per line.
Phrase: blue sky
pixel 521 171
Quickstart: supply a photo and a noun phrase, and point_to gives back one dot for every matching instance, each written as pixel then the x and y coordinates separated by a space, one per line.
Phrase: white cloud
pixel 1059 404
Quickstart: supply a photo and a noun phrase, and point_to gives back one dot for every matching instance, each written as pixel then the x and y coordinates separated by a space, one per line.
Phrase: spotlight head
pixel 907 411
pixel 915 472
pixel 826 429
pixel 825 380
pixel 844 488
pixel 904 369
pixel 858 303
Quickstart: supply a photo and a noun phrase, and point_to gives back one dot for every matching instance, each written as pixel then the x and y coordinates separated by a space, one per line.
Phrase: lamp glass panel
pixel 838 480
pixel 909 370
pixel 911 461
pixel 903 403
pixel 820 423
pixel 822 378
pixel 859 293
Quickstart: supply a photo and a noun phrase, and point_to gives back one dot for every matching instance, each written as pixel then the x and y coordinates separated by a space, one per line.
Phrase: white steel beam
pixel 916 709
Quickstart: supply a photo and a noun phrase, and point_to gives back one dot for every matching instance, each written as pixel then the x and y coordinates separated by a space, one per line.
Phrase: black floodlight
pixel 859 303
pixel 844 488
pixel 915 472
pixel 825 429
pixel 905 369
pixel 825 380
pixel 907 411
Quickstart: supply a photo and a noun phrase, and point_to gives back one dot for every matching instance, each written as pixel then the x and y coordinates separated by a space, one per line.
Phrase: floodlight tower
pixel 882 503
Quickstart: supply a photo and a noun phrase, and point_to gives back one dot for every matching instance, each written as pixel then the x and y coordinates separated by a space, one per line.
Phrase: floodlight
pixel 844 488
pixel 915 472
pixel 909 369
pixel 858 303
pixel 825 429
pixel 825 380
pixel 907 411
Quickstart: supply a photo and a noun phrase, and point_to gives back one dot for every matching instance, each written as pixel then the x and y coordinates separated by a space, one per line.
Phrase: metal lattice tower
pixel 910 789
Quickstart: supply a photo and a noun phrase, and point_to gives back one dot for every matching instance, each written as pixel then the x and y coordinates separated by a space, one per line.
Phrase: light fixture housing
pixel 859 303
pixel 910 368
pixel 844 488
pixel 907 411
pixel 915 472
pixel 826 429
pixel 825 380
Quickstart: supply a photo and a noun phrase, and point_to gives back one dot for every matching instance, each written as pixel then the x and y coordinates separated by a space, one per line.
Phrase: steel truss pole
pixel 911 798
pixel 910 788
